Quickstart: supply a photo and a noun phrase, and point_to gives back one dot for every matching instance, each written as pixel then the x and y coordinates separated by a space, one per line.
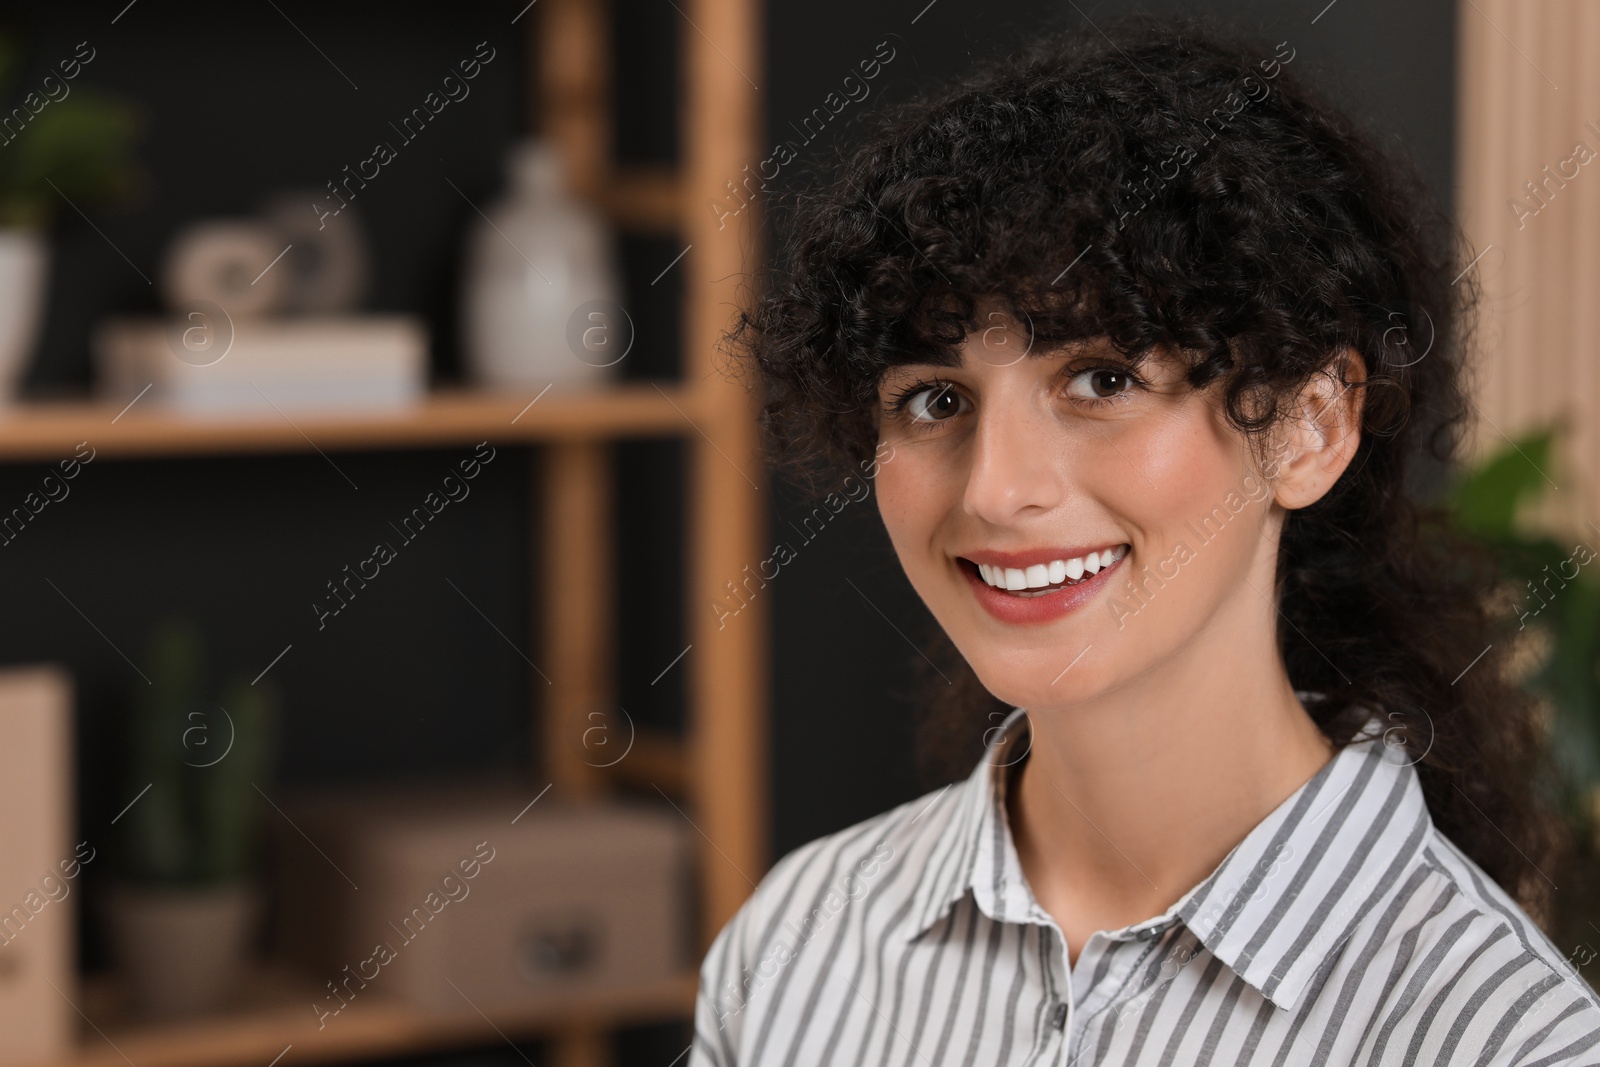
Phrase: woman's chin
pixel 1043 682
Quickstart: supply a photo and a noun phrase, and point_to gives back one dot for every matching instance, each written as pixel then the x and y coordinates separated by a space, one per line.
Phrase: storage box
pixel 445 896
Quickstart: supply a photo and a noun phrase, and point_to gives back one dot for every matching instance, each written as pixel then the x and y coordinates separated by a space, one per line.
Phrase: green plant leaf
pixel 229 807
pixel 1485 500
pixel 80 148
pixel 200 819
pixel 10 63
pixel 156 836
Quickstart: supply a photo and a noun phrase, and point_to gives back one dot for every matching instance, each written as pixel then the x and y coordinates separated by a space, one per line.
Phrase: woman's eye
pixel 934 404
pixel 1102 383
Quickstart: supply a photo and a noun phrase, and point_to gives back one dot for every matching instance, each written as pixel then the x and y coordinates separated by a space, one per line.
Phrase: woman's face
pixel 1072 523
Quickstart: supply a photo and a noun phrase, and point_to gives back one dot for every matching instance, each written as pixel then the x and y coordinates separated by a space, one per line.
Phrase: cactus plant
pixel 198 822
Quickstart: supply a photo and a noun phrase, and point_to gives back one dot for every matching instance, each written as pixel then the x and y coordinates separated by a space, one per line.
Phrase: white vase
pixel 540 298
pixel 182 951
pixel 23 259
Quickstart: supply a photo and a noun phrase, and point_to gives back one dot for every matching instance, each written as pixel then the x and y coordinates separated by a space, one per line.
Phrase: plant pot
pixel 182 951
pixel 23 259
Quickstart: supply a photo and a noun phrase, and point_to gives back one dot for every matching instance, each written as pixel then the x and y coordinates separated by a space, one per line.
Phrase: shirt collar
pixel 1282 902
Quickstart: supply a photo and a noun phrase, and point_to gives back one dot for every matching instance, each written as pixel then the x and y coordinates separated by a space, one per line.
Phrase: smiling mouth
pixel 1042 579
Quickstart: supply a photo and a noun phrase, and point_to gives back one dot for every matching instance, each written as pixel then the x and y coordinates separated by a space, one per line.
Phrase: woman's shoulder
pixel 829 871
pixel 1495 953
pixel 801 894
pixel 1480 897
pixel 856 855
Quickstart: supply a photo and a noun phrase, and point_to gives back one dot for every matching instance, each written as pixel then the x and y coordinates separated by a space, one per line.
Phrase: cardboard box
pixel 449 896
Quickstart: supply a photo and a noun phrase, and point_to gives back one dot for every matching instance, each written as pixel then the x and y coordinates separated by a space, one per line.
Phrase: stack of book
pixel 208 363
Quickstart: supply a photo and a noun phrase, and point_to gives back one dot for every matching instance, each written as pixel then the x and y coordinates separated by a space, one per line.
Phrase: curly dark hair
pixel 1169 190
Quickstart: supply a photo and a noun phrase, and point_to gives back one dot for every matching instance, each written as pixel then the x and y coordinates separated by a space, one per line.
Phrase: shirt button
pixel 1058 1018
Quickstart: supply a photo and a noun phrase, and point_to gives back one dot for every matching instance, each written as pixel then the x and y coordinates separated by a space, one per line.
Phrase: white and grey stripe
pixel 1344 929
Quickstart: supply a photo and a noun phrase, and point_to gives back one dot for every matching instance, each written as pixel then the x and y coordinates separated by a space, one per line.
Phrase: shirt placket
pixel 1068 1019
pixel 1056 1040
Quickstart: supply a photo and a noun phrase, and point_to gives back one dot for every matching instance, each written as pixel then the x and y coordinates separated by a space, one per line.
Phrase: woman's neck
pixel 1127 802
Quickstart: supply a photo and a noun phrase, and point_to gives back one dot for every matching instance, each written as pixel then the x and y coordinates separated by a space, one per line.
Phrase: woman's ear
pixel 1320 437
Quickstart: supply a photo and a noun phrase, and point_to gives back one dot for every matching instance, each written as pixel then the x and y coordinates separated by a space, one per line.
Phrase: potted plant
pixel 62 147
pixel 1554 587
pixel 183 915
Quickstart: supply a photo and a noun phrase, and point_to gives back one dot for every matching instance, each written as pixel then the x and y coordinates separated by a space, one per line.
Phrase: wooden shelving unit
pixel 47 431
pixel 717 772
pixel 274 1016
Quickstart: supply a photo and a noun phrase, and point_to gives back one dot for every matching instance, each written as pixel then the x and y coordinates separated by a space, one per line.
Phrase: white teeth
pixel 1043 575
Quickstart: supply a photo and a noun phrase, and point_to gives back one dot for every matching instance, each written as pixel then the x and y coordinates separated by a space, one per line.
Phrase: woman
pixel 1142 343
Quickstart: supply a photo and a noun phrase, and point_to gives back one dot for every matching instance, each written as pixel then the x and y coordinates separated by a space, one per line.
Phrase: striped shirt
pixel 1343 929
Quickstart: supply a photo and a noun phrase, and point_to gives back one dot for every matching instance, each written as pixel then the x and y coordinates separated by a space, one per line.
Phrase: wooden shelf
pixel 719 768
pixel 657 759
pixel 50 430
pixel 643 200
pixel 275 1012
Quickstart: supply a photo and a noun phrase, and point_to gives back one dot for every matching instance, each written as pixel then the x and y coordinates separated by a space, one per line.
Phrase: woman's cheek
pixel 887 488
pixel 1185 456
pixel 897 503
pixel 912 488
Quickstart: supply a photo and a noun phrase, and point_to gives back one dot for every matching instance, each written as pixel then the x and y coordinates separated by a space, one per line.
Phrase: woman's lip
pixel 1032 610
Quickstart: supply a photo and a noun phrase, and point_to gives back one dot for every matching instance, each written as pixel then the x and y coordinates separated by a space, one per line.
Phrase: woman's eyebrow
pixel 950 357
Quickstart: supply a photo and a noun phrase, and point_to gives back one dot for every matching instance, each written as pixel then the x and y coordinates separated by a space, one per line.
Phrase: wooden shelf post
pixel 727 663
pixel 578 627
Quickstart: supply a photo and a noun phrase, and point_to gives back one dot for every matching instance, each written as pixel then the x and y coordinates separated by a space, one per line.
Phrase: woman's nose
pixel 1013 463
